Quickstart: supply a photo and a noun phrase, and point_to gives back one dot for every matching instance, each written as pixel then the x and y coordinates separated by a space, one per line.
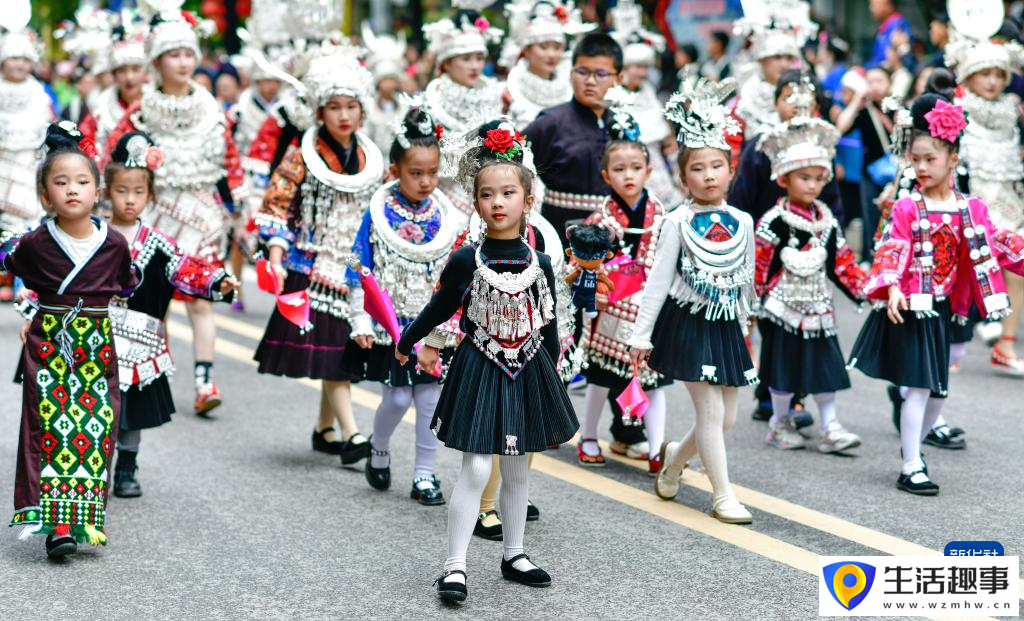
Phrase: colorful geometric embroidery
pixel 945 254
pixel 76 420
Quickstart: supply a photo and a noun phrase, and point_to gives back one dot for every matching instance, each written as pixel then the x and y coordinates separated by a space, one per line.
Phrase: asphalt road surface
pixel 241 520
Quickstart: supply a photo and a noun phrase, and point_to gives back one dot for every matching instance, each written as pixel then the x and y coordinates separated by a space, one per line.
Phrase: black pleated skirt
pixel 483 410
pixel 792 363
pixel 914 353
pixel 148 406
pixel 692 348
pixel 317 354
pixel 600 376
pixel 378 364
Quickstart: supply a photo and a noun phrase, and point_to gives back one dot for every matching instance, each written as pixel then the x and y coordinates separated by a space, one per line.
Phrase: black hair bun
pixel 419 124
pixel 63 136
pixel 922 106
pixel 465 17
pixel 941 82
pixel 132 146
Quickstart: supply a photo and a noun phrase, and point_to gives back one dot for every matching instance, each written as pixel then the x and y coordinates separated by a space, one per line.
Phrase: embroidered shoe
pixel 917 483
pixel 942 437
pixel 427 491
pixel 586 460
pixel 451 590
pixel 638 450
pixel 654 466
pixel 1007 364
pixel 488 526
pixel 731 511
pixel 207 398
pixel 837 439
pixel 783 436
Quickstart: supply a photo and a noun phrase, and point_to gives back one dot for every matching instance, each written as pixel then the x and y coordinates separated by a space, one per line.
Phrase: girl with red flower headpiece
pixel 939 254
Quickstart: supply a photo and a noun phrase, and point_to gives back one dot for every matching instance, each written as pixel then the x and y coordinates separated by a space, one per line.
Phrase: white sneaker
pixel 730 511
pixel 666 484
pixel 837 439
pixel 783 436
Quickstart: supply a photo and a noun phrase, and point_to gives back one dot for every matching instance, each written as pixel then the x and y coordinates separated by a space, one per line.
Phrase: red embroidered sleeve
pixel 1009 250
pixel 273 217
pixel 848 274
pixel 765 243
pixel 194 276
pixel 124 126
pixel 232 162
pixel 892 257
pixel 265 143
pixel 88 128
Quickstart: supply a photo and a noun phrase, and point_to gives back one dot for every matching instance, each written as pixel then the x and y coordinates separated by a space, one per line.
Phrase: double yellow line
pixel 746 538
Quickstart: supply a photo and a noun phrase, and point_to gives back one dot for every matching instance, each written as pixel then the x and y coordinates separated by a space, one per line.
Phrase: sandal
pixel 1009 364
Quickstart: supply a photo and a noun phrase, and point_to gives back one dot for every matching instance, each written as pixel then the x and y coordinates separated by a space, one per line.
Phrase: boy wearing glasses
pixel 568 139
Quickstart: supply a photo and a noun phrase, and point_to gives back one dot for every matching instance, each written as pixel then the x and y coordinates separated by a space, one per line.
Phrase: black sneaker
pixel 352 451
pixel 125 485
pixel 532 512
pixel 917 483
pixel 322 445
pixel 59 546
pixel 941 437
pixel 763 411
pixel 451 591
pixel 536 577
pixel 429 494
pixel 378 478
pixel 801 417
pixel 897 404
pixel 491 533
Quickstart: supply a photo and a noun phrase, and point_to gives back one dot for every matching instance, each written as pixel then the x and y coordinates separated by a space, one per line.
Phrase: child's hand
pixel 281 274
pixel 638 355
pixel 427 358
pixel 601 299
pixel 897 302
pixel 229 285
pixel 364 341
pixel 23 333
pixel 400 357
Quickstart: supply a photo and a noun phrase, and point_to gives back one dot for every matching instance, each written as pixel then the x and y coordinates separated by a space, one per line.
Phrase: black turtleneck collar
pixel 495 248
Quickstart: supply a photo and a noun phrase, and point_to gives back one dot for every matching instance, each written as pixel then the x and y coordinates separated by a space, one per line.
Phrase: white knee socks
pixel 716 412
pixel 780 406
pixel 393 405
pixel 515 472
pixel 654 420
pixel 425 396
pixel 912 428
pixel 593 405
pixel 826 409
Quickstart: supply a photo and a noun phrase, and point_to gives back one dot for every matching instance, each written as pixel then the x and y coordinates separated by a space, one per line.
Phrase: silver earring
pixel 483 229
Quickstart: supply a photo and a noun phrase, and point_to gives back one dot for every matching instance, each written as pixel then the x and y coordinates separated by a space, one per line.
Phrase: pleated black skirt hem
pixel 378 364
pixel 914 353
pixel 792 363
pixel 692 348
pixel 148 406
pixel 483 410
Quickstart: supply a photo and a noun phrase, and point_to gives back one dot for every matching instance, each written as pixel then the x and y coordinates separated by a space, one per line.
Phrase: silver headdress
pixel 699 112
pixel 172 28
pixel 90 35
pixel 776 27
pixel 336 70
pixel 425 126
pixel 386 53
pixel 639 46
pixel 447 39
pixel 801 142
pixel 463 153
pixel 128 44
pixel 972 47
pixel 623 126
pixel 539 21
pixel 264 33
pixel 17 40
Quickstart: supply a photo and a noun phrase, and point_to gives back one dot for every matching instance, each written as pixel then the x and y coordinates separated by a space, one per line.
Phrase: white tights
pixel 465 501
pixel 917 417
pixel 654 418
pixel 826 407
pixel 716 414
pixel 957 352
pixel 394 403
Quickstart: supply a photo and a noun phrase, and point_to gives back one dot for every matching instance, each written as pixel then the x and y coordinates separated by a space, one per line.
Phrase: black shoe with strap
pixel 429 494
pixel 942 437
pixel 352 451
pixel 491 533
pixel 535 577
pixel 451 590
pixel 922 486
pixel 532 512
pixel 125 484
pixel 378 478
pixel 322 445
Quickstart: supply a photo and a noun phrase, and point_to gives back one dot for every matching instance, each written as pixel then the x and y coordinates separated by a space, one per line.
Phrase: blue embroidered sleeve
pixel 363 250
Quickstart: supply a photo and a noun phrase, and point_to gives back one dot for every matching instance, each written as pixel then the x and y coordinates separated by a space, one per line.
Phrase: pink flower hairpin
pixel 946 121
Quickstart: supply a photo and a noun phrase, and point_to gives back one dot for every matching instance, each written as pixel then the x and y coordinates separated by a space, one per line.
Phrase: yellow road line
pixel 761 501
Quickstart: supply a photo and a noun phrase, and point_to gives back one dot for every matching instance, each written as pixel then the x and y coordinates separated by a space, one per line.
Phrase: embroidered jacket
pixel 955 254
pixel 798 252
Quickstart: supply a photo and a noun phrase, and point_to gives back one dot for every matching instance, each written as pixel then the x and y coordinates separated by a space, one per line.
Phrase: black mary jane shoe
pixel 351 451
pixel 429 495
pixel 451 591
pixel 378 478
pixel 942 437
pixel 956 432
pixel 536 577
pixel 491 533
pixel 921 488
pixel 59 546
pixel 322 445
pixel 532 512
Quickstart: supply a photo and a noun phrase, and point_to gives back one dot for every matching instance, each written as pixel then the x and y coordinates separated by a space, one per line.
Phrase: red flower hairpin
pixel 504 142
pixel 88 147
pixel 190 18
pixel 562 14
pixel 154 157
pixel 482 24
pixel 439 131
pixel 946 121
